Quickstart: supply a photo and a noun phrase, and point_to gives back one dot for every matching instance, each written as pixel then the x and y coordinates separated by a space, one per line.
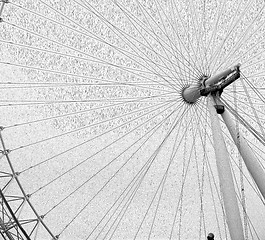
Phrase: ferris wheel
pixel 140 119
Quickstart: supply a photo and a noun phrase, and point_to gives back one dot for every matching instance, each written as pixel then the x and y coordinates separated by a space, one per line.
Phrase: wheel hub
pixel 207 85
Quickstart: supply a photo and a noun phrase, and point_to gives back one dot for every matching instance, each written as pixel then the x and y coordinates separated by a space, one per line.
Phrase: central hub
pixel 191 93
pixel 206 85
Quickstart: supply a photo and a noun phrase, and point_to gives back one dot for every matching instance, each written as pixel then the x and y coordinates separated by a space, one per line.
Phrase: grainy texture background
pixel 91 103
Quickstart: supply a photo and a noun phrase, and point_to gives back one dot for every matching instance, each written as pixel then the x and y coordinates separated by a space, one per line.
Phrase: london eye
pixel 140 119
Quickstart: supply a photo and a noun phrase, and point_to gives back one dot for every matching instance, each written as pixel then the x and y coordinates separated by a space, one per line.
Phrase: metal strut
pixel 4 228
pixel 249 157
pixel 226 182
pixel 213 87
pixel 224 171
pixel 2 8
pixel 38 217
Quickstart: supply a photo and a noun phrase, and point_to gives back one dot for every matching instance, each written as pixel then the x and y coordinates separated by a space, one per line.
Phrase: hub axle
pixel 207 85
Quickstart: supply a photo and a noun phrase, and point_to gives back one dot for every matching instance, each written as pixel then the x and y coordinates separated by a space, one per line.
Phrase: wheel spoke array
pixel 97 140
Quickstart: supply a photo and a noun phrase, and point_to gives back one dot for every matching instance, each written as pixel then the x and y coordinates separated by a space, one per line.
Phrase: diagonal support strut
pixel 225 176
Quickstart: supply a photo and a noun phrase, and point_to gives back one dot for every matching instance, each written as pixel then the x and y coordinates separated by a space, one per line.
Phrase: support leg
pixel 225 177
pixel 247 154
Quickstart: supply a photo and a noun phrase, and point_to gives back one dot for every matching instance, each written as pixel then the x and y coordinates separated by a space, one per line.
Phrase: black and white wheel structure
pixel 101 137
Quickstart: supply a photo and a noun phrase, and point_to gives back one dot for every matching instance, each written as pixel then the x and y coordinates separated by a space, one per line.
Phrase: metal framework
pixel 213 88
pixel 12 226
pixel 225 176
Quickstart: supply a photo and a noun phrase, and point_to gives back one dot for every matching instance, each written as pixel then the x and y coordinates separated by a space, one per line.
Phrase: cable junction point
pixel 207 85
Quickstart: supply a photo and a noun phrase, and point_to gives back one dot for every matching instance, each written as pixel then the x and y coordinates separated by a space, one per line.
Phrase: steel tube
pixel 2 8
pixel 225 176
pixel 247 154
pixel 216 78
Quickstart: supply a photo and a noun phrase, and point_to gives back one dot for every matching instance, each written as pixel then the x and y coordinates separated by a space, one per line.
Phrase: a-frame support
pixel 225 176
pixel 246 153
